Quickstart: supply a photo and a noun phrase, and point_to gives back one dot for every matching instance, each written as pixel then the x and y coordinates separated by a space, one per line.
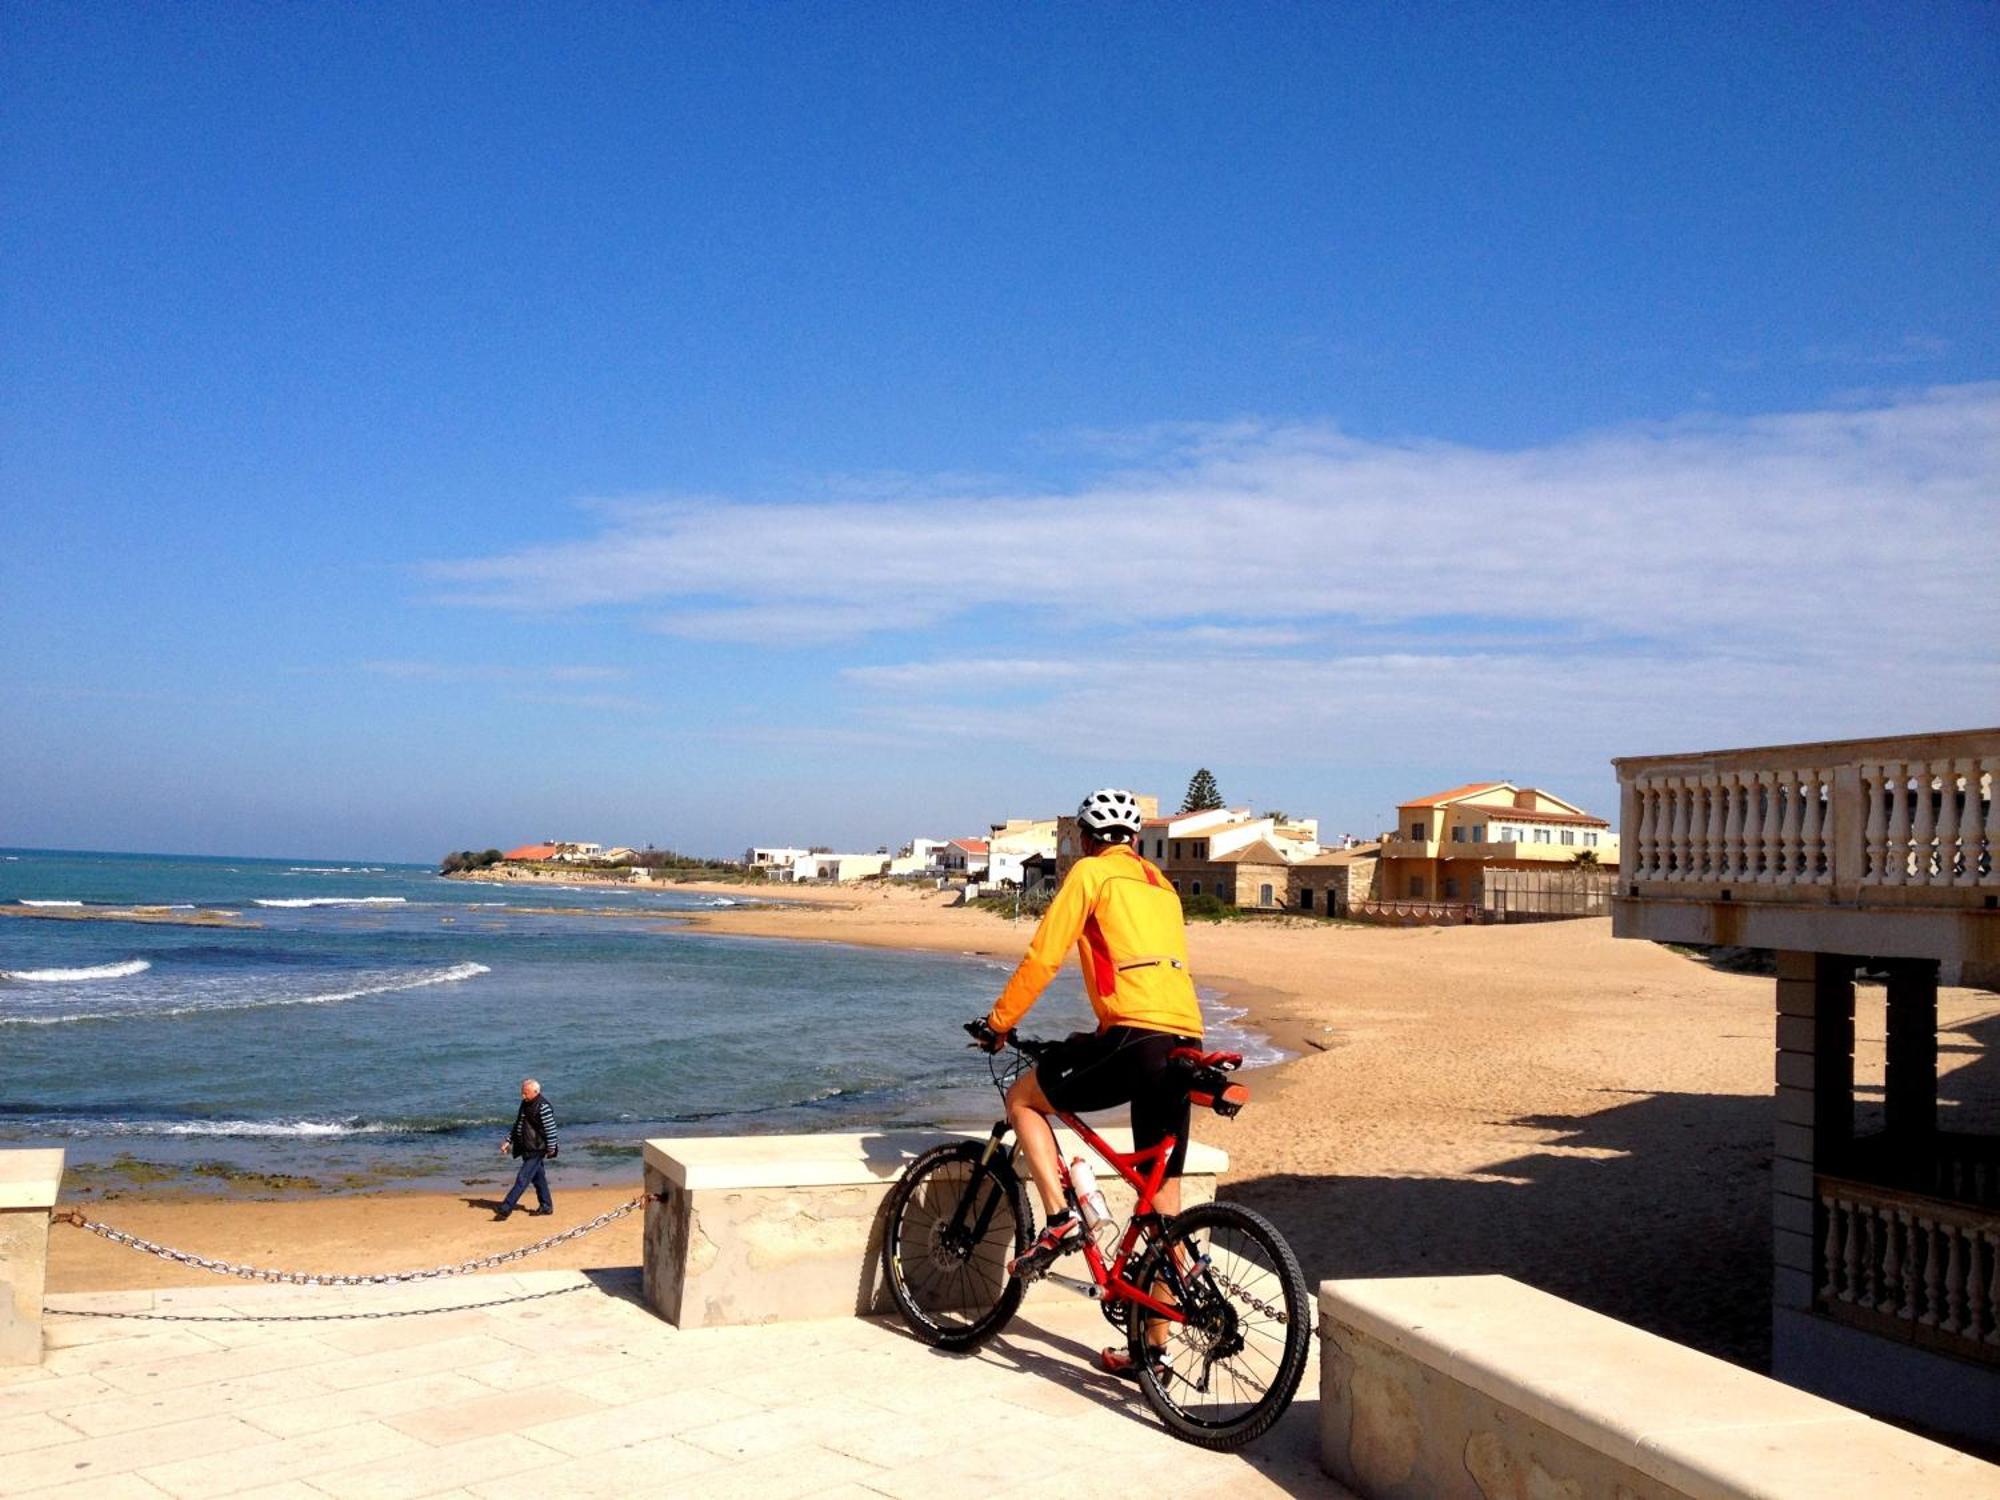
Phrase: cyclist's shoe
pixel 1058 1237
pixel 1119 1362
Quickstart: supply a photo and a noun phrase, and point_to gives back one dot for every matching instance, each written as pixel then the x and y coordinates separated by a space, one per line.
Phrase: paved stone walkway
pixel 585 1393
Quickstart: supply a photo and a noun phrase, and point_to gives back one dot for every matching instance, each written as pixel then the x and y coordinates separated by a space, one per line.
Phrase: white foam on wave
pixel 456 974
pixel 26 902
pixel 123 970
pixel 300 901
pixel 333 869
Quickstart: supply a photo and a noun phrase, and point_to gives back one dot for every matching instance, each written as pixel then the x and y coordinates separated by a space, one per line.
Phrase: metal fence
pixel 1546 895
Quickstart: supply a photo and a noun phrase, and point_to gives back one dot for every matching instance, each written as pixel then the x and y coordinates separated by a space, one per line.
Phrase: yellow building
pixel 1444 844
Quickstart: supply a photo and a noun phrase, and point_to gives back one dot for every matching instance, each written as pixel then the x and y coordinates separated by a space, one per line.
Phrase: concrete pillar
pixel 29 1182
pixel 1909 1092
pixel 1814 1109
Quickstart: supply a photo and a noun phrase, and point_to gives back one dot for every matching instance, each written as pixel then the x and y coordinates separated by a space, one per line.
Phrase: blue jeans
pixel 534 1168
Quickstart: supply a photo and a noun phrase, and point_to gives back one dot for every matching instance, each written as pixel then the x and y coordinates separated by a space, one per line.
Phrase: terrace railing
pixel 1902 822
pixel 1920 1269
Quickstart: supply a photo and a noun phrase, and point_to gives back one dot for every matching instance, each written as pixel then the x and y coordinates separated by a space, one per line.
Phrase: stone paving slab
pixel 577 1390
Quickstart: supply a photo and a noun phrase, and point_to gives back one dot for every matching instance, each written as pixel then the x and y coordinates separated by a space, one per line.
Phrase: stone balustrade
pixel 1919 819
pixel 29 1183
pixel 1910 1267
pixel 1904 831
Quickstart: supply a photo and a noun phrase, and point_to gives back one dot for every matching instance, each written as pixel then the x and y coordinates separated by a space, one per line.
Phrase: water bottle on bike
pixel 1097 1220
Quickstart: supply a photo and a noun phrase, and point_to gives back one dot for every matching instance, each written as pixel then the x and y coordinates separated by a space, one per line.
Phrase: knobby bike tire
pixel 1167 1391
pixel 915 1210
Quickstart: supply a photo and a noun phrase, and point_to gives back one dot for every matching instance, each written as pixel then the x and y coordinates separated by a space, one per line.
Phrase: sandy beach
pixel 1589 1115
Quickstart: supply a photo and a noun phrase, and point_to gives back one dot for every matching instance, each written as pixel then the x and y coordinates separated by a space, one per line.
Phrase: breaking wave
pixel 26 902
pixel 457 973
pixel 123 970
pixel 298 901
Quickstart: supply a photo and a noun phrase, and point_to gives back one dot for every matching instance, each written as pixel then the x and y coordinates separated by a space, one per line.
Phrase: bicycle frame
pixel 1110 1275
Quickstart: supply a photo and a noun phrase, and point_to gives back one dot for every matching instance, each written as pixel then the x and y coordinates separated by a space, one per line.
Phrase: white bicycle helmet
pixel 1108 812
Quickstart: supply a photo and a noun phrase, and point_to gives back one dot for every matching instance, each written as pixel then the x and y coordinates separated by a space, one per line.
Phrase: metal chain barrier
pixel 308 1278
pixel 339 1317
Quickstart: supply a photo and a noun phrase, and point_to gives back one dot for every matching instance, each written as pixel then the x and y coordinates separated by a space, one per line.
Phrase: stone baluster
pixel 1947 824
pixel 1753 827
pixel 1681 794
pixel 1849 1250
pixel 1991 873
pixel 1968 825
pixel 1774 819
pixel 1923 828
pixel 1697 793
pixel 1975 1286
pixel 1870 1285
pixel 1732 826
pixel 1875 832
pixel 1907 1221
pixel 1718 827
pixel 1829 1287
pixel 1933 1273
pixel 1892 1263
pixel 1788 827
pixel 1954 1279
pixel 1896 845
pixel 1642 835
pixel 1815 864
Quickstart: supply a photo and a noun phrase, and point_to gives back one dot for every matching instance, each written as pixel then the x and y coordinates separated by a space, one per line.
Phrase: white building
pixel 777 861
pixel 965 859
pixel 920 857
pixel 839 867
pixel 1197 837
pixel 1013 843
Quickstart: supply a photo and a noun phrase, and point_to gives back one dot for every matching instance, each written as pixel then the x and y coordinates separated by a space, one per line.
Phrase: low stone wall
pixel 29 1182
pixel 1481 1388
pixel 764 1229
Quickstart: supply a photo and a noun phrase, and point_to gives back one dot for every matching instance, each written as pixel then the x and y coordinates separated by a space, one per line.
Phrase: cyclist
pixel 1126 924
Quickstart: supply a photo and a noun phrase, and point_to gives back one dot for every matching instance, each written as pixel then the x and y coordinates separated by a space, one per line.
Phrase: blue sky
pixel 429 426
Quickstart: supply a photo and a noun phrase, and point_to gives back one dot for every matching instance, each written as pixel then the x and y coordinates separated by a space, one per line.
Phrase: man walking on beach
pixel 533 1142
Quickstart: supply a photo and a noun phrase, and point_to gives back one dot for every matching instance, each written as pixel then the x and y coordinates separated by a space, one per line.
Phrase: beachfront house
pixel 1012 844
pixel 1332 883
pixel 840 867
pixel 964 859
pixel 531 854
pixel 1872 862
pixel 919 857
pixel 775 860
pixel 1444 844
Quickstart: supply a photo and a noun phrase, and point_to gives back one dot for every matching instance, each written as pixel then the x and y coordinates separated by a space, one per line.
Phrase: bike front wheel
pixel 1222 1377
pixel 954 1222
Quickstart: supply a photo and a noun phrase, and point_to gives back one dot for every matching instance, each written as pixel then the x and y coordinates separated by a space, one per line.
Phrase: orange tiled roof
pixel 1471 788
pixel 531 851
pixel 971 846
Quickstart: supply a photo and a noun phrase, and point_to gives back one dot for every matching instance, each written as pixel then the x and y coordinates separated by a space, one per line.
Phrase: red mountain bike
pixel 1212 1304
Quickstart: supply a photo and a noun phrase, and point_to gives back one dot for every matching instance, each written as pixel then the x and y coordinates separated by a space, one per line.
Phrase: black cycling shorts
pixel 1124 1065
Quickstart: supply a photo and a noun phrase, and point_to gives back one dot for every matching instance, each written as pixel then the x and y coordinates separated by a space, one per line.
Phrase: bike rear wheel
pixel 1221 1378
pixel 953 1225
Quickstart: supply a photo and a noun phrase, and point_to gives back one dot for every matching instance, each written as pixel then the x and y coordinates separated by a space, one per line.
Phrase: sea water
pixel 375 1022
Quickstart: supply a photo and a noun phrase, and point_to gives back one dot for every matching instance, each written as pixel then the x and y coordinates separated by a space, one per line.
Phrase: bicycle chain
pixel 310 1278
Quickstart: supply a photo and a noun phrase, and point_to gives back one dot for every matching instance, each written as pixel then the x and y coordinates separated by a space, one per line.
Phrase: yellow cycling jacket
pixel 1125 920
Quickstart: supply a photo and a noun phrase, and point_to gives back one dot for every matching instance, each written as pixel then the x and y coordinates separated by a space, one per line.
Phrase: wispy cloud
pixel 1808 532
pixel 1710 580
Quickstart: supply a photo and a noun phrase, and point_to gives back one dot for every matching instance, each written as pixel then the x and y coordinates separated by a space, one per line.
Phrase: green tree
pixel 1586 859
pixel 1202 792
